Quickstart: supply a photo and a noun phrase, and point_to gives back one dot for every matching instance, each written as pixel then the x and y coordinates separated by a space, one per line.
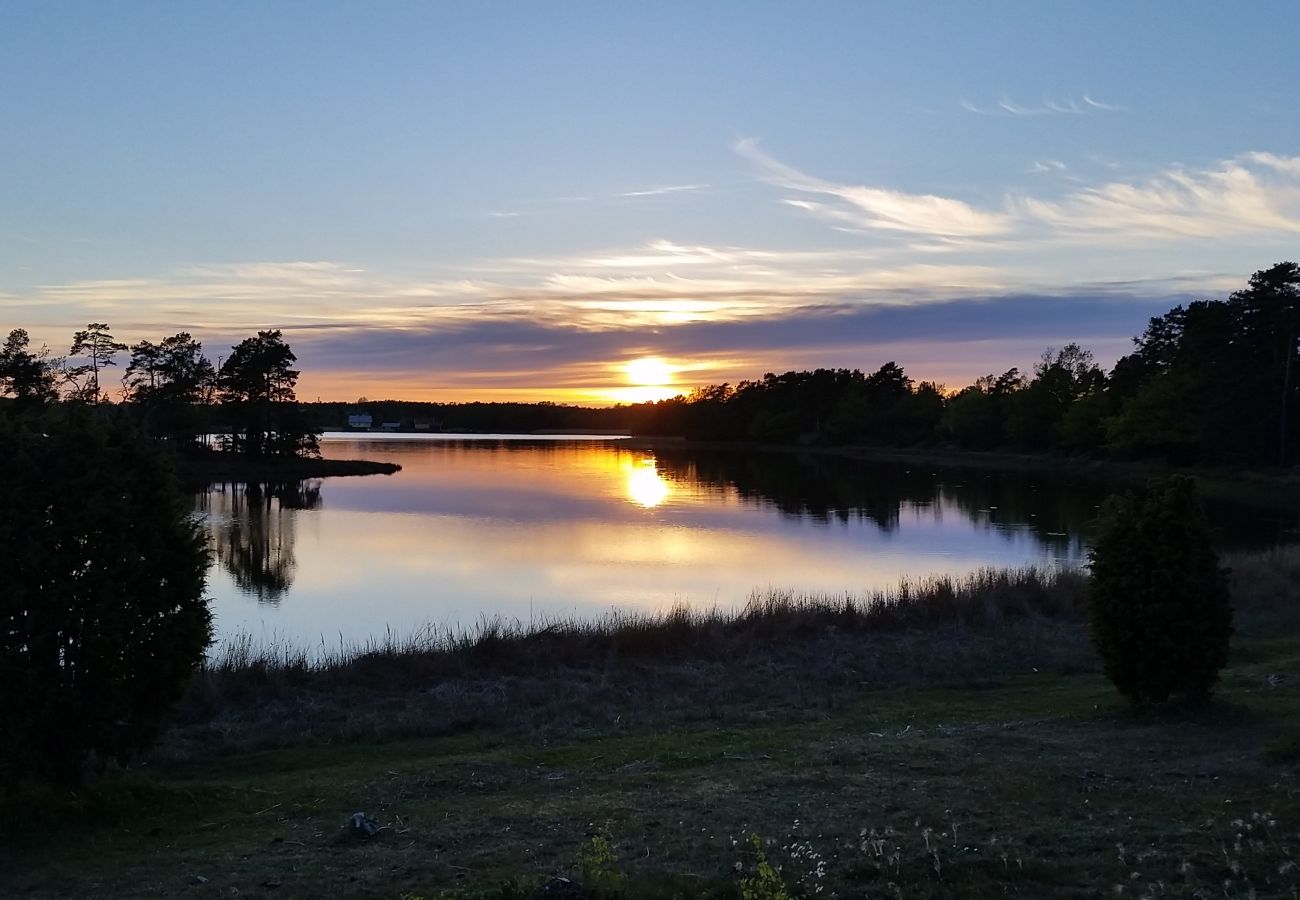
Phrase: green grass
pixel 1076 789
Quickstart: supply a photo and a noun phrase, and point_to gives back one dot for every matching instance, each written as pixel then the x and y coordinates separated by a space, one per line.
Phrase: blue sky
pixel 513 199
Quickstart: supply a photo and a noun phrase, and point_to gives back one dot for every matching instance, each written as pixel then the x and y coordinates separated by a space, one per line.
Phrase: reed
pixel 781 650
pixel 980 600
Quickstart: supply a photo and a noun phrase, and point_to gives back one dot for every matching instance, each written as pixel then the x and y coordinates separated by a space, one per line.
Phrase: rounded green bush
pixel 1159 607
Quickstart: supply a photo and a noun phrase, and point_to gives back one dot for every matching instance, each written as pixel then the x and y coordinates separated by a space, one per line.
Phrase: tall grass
pixel 979 600
pixel 1265 588
pixel 782 649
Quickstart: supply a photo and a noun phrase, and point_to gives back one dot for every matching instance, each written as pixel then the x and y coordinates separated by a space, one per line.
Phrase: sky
pixel 514 201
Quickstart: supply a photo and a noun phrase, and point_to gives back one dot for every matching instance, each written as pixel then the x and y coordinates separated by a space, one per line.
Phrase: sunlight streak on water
pixel 645 486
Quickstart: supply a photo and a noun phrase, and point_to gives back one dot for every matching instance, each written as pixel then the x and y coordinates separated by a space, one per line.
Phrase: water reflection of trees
pixel 826 489
pixel 253 529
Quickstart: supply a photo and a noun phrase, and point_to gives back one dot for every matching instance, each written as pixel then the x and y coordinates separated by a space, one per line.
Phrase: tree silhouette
pixel 1037 414
pixel 98 346
pixel 170 380
pixel 256 388
pixel 1215 381
pixel 1269 319
pixel 25 376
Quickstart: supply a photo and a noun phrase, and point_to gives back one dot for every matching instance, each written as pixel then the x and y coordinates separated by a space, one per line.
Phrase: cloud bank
pixel 946 283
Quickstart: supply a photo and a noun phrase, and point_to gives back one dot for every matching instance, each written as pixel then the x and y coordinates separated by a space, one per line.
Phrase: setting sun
pixel 649 378
pixel 649 371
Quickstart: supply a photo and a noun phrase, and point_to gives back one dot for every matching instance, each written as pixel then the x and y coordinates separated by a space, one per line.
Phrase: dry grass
pixel 983 599
pixel 782 650
pixel 799 654
pixel 1266 589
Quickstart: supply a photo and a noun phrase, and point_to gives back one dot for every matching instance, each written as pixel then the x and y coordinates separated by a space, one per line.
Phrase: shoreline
pixel 1265 487
pixel 215 468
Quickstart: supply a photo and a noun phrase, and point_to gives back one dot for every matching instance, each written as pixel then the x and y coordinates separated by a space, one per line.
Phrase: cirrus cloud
pixel 876 207
pixel 1254 193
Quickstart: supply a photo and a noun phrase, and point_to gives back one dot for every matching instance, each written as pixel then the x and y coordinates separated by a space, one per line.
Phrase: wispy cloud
pixel 661 191
pixel 1256 193
pixel 661 285
pixel 1050 106
pixel 876 208
pixel 1098 104
pixel 1289 165
pixel 665 255
pixel 1048 165
pixel 552 205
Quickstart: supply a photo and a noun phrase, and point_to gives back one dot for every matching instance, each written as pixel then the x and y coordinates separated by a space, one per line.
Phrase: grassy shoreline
pixel 547 678
pixel 955 741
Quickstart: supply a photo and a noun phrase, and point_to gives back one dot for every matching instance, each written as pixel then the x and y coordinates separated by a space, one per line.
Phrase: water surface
pixel 484 526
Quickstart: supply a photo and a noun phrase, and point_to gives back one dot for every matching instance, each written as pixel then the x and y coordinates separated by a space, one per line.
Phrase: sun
pixel 649 371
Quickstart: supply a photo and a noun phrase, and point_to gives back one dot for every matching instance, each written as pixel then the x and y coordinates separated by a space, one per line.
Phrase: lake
pixel 485 526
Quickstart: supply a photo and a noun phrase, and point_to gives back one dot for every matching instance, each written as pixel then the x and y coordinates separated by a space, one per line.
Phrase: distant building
pixel 360 420
pixel 391 426
pixel 423 425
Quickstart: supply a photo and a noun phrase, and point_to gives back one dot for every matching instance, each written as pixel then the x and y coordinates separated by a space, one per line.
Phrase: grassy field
pixel 921 753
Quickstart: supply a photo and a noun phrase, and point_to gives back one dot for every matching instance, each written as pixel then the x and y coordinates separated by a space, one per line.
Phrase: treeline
pixel 1210 382
pixel 473 418
pixel 1041 412
pixel 169 389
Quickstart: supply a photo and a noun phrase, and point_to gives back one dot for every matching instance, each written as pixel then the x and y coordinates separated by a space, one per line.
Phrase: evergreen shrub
pixel 102 611
pixel 1158 601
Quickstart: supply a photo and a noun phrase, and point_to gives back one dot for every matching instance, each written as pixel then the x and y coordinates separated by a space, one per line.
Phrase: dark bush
pixel 102 613
pixel 1158 601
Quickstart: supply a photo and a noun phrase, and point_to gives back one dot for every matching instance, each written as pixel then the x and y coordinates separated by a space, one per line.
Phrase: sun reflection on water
pixel 645 486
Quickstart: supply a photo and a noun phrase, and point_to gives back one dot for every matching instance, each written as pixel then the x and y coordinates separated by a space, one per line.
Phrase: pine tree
pixel 98 346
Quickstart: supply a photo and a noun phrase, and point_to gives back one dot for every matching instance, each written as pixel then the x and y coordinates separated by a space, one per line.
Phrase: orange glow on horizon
pixel 346 389
pixel 637 380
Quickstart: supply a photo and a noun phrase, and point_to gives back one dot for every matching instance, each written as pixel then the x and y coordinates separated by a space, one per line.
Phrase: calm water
pixel 535 528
